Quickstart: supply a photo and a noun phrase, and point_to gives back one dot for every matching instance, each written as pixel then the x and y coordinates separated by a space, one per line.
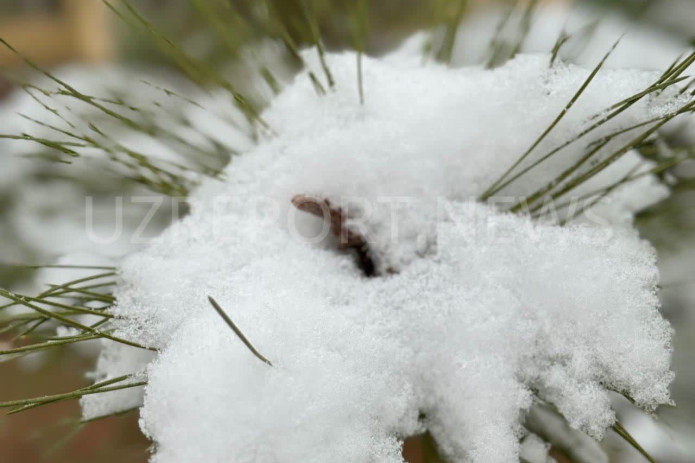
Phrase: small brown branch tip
pixel 347 238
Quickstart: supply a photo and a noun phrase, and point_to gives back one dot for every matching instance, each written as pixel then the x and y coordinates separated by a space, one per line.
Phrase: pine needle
pixel 622 432
pixel 359 32
pixel 525 27
pixel 43 266
pixel 47 345
pixel 656 123
pixel 237 331
pixel 198 71
pixel 67 321
pixel 562 39
pixel 497 42
pixel 496 186
pixel 18 406
pixel 447 49
pixel 316 36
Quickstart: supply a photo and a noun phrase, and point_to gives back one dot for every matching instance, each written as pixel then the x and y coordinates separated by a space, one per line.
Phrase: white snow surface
pixel 475 310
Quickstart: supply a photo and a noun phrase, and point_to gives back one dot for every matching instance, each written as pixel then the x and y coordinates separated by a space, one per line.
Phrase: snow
pixel 473 310
pixel 481 121
pixel 114 362
pixel 592 32
pixel 356 361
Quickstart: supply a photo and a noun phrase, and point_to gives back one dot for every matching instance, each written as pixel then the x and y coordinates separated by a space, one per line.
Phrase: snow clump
pixel 472 314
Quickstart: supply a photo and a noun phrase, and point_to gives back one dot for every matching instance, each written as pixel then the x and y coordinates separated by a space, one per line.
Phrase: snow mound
pixel 473 313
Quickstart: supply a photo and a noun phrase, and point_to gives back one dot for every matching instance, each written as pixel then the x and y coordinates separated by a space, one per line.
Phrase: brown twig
pixel 347 239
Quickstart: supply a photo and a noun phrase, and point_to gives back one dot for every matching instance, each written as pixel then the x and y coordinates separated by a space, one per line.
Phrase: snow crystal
pixel 473 313
pixel 115 361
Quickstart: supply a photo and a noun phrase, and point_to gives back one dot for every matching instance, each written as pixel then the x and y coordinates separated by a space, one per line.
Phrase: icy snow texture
pixel 414 145
pixel 592 32
pixel 482 308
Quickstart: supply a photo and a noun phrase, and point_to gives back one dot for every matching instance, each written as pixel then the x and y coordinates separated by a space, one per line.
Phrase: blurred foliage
pixel 28 6
pixel 634 8
pixel 215 31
